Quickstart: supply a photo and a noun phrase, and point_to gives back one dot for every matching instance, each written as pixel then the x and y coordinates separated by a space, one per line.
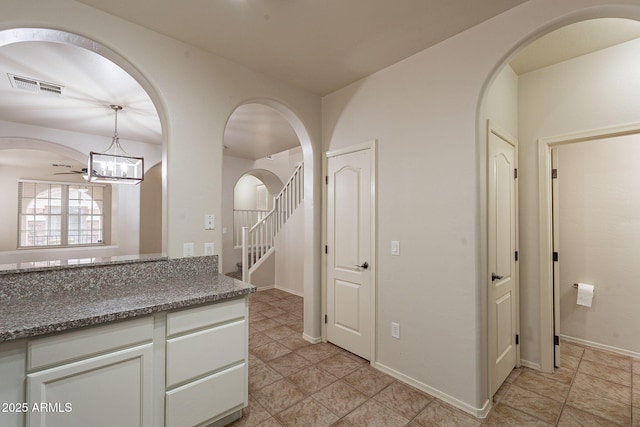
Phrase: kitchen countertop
pixel 72 307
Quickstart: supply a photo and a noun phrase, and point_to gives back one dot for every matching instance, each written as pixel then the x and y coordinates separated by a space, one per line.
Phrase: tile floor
pixel 294 383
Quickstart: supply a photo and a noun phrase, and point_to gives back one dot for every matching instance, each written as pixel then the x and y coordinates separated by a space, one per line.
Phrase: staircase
pixel 257 241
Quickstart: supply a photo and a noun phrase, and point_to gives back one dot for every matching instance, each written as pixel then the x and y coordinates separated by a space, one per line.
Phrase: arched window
pixel 56 214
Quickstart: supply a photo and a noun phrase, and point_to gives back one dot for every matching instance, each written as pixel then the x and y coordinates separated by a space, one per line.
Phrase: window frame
pixel 65 215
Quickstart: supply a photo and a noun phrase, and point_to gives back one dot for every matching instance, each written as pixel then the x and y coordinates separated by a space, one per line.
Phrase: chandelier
pixel 115 165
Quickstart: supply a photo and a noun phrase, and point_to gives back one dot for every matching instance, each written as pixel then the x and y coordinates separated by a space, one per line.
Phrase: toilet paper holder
pixel 575 285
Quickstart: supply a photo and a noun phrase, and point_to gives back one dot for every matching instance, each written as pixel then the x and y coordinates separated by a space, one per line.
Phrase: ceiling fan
pixel 70 172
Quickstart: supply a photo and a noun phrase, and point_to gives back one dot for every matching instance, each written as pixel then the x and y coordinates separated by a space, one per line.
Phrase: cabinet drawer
pixel 86 342
pixel 208 315
pixel 194 355
pixel 206 399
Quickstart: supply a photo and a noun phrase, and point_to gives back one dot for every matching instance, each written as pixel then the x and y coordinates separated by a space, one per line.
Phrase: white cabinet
pixel 206 363
pixel 183 368
pixel 98 376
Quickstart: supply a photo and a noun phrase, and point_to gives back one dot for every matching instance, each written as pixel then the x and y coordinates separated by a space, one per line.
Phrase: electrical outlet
pixel 208 248
pixel 395 330
pixel 188 250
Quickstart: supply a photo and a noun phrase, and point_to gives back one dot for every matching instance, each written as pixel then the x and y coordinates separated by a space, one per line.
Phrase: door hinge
pixel 325 319
pixel 556 340
pixel 517 339
pixel 555 257
pixel 516 256
pixel 326 249
pixel 326 179
pixel 515 173
pixel 554 173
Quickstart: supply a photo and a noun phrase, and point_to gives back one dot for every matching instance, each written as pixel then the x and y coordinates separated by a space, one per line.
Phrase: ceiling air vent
pixel 34 85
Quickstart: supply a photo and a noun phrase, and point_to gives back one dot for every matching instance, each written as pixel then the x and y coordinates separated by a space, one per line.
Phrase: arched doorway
pixel 310 216
pixel 572 95
pixel 63 84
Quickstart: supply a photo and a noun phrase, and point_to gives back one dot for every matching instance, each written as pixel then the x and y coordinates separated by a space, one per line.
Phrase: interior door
pixel 349 251
pixel 502 235
pixel 556 265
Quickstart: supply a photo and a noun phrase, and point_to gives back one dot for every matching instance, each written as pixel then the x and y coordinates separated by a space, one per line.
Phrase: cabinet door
pixel 113 389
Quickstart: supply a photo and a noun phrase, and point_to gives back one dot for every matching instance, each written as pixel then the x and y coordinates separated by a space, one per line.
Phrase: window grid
pixel 54 215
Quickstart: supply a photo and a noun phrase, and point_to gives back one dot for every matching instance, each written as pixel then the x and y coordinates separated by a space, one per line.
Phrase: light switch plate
pixel 208 222
pixel 395 248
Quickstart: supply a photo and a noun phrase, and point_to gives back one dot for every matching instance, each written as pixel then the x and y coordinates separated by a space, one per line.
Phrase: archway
pixel 56 41
pixel 538 335
pixel 311 218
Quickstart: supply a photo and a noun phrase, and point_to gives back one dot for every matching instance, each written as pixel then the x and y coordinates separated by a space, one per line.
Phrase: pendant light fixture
pixel 115 166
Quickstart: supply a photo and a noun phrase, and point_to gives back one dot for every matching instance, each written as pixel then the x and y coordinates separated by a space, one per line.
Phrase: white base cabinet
pixel 182 368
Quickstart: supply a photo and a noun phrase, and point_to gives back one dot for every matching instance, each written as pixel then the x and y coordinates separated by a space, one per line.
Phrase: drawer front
pixel 208 315
pixel 197 354
pixel 87 342
pixel 206 399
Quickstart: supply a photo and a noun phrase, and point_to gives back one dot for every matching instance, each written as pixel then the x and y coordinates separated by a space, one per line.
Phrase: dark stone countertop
pixel 71 308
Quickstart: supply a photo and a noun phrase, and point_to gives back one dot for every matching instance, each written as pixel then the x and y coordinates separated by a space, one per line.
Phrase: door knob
pixel 495 277
pixel 364 265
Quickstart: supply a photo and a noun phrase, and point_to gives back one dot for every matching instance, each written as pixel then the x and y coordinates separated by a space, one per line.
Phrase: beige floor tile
pixel 404 400
pixel 571 349
pixel 533 404
pixel 279 332
pixel 307 413
pixel 569 362
pixel 312 379
pixel 253 359
pixel 263 324
pixel 572 417
pixel 563 374
pixel 270 422
pixel 619 376
pixel 261 376
pixel 373 414
pixel 340 398
pixel 505 416
pixel 602 388
pixel 258 339
pixel 636 382
pixel 501 392
pixel 252 415
pixel 594 404
pixel 543 386
pixel 636 366
pixel 258 306
pixel 635 398
pixel 607 358
pixel 513 375
pixel 270 351
pixel 294 342
pixel 255 318
pixel 368 380
pixel 272 312
pixel 278 396
pixel 342 422
pixel 635 417
pixel 317 352
pixel 339 365
pixel 439 414
pixel 289 364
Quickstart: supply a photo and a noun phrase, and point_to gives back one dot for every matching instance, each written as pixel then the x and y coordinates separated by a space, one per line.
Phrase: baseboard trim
pixel 292 292
pixel 312 340
pixel 264 288
pixel 532 365
pixel 600 346
pixel 476 412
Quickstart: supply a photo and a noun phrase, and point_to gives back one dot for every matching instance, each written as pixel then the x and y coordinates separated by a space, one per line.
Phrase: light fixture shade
pixel 114 168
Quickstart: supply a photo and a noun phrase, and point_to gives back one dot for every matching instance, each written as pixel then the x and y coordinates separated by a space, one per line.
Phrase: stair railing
pixel 259 239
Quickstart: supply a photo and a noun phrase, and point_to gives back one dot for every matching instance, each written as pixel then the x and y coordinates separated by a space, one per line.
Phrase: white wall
pixel 599 226
pixel 290 255
pixel 593 91
pixel 244 193
pixel 424 113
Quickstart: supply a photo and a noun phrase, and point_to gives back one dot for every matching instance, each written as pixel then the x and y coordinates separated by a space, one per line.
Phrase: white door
pixel 349 250
pixel 503 280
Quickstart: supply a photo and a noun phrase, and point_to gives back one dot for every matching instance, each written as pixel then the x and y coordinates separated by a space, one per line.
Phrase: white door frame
pixel 545 218
pixel 369 145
